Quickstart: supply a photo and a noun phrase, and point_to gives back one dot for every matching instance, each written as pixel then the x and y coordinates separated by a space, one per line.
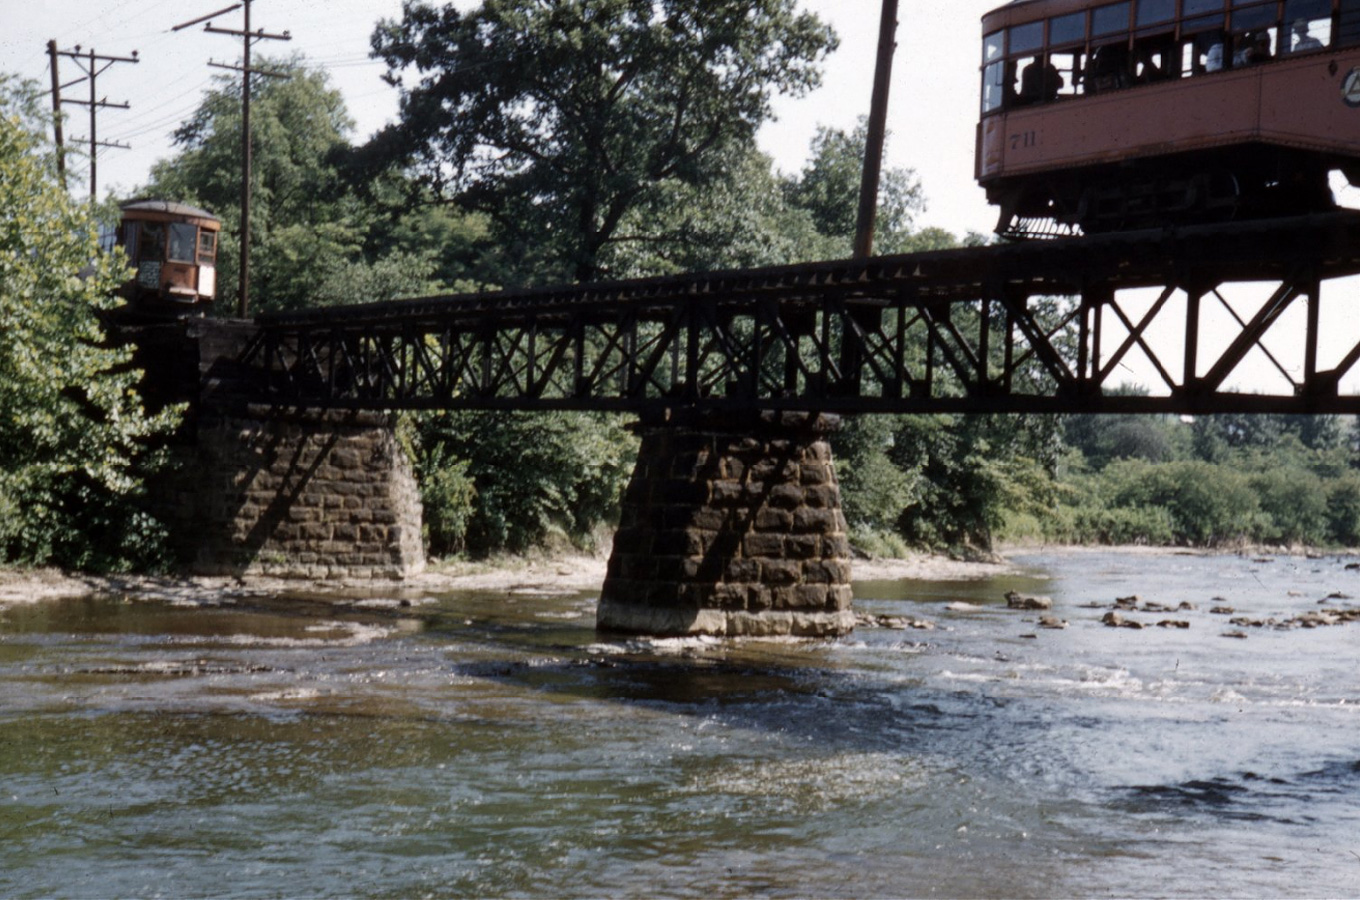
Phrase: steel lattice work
pixel 1042 326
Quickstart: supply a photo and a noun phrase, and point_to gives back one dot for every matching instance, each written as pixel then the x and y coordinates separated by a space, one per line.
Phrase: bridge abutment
pixel 302 494
pixel 264 489
pixel 731 526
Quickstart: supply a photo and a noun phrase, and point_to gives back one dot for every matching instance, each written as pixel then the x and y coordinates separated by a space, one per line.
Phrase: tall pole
pixel 878 126
pixel 56 115
pixel 94 137
pixel 247 39
pixel 243 289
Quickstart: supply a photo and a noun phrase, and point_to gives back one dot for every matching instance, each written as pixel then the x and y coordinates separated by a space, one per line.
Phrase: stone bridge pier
pixel 731 526
pixel 259 489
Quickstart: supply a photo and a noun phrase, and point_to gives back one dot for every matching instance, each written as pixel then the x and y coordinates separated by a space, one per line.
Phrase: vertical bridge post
pixel 731 526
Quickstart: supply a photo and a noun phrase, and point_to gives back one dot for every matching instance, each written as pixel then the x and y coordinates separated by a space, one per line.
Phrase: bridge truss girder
pixel 1038 327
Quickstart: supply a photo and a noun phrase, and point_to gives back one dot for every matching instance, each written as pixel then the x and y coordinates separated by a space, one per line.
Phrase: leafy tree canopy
pixel 559 119
pixel 72 428
pixel 316 238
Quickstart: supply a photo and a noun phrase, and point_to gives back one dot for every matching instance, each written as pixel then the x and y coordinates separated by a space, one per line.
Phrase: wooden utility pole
pixel 56 115
pixel 248 38
pixel 93 65
pixel 878 126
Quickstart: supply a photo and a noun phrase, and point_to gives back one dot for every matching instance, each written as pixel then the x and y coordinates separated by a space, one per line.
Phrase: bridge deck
pixel 1040 326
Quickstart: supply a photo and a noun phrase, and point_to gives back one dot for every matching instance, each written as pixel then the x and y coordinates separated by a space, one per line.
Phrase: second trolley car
pixel 173 249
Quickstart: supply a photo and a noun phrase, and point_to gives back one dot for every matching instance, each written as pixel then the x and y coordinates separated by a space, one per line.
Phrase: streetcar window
pixel 993 45
pixel 183 242
pixel 207 248
pixel 1248 18
pixel 1155 59
pixel 1110 19
pixel 1310 10
pixel 1348 23
pixel 1109 70
pixel 153 242
pixel 1153 12
pixel 994 86
pixel 1026 38
pixel 131 240
pixel 1201 15
pixel 1309 23
pixel 1040 82
pixel 1070 29
pixel 1069 71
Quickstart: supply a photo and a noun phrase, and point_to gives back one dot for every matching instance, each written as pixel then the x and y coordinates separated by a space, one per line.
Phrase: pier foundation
pixel 731 526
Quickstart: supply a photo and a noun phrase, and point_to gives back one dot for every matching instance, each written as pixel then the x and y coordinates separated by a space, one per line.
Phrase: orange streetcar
pixel 1100 116
pixel 173 248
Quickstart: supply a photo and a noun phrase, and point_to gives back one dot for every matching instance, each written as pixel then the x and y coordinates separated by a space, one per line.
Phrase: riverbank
pixel 537 574
pixel 545 574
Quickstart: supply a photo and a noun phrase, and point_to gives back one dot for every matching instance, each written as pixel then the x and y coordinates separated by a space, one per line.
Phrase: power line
pixel 93 65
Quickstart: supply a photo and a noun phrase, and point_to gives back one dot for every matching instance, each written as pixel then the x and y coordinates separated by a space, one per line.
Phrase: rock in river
pixel 1016 601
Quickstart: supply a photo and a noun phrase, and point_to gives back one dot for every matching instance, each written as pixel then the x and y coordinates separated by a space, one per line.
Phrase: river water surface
pixel 489 744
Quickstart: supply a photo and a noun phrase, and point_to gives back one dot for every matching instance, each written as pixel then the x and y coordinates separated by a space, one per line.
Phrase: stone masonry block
pixel 763 546
pixel 786 496
pixel 781 572
pixel 821 521
pixel 823 496
pixel 780 520
pixel 810 474
pixel 802 546
pixel 743 571
pixel 826 572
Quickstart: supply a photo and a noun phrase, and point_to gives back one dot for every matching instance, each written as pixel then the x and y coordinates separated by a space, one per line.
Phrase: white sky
pixel 932 116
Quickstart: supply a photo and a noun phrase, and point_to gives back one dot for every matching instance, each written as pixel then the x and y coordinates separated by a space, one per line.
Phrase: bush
pixel 509 481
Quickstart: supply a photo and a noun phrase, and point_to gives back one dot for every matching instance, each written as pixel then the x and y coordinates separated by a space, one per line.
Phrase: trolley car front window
pixel 183 242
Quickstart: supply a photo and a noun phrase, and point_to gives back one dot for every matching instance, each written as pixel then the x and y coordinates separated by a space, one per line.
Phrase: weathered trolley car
pixel 173 248
pixel 1100 116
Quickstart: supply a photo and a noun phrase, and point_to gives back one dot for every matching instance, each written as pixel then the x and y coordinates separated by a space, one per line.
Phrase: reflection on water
pixel 484 744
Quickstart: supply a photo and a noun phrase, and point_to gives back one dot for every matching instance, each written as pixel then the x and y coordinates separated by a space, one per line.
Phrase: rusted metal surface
pixel 1035 327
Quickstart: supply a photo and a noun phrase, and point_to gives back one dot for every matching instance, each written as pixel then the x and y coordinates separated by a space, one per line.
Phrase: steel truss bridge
pixel 1044 326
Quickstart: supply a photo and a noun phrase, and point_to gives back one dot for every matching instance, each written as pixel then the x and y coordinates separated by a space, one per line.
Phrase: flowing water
pixel 490 744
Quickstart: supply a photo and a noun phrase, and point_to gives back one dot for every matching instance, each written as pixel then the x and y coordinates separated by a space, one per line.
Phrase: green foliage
pixel 875 491
pixel 558 120
pixel 316 237
pixel 73 433
pixel 828 190
pixel 448 496
pixel 523 478
pixel 1217 480
pixel 739 219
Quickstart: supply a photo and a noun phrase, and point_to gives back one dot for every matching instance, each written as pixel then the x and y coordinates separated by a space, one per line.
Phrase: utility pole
pixel 93 65
pixel 56 115
pixel 878 125
pixel 248 38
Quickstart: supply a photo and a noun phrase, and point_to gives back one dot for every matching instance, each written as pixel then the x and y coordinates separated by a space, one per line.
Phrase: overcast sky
pixel 932 116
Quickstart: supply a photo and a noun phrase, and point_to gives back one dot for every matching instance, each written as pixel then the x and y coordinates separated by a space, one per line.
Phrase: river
pixel 490 744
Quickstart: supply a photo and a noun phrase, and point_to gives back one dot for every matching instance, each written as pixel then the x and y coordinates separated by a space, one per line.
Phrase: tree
pixel 557 120
pixel 828 188
pixel 73 433
pixel 506 481
pixel 316 238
